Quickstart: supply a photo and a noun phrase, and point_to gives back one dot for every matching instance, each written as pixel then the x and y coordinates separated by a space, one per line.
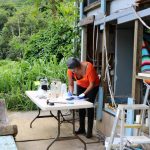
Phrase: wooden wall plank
pixel 8 130
pixel 83 43
pixel 86 21
pixel 123 16
pixel 113 16
pixel 92 6
pixel 138 38
pixel 130 17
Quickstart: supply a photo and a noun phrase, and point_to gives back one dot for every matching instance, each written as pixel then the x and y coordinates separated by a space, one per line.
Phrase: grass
pixel 17 77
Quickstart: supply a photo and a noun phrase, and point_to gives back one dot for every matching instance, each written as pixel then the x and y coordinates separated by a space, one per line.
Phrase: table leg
pixel 35 118
pixel 73 122
pixel 53 115
pixel 43 116
pixel 58 138
pixel 58 134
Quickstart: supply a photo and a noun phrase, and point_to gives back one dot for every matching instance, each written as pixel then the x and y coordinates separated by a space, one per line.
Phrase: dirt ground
pixel 45 128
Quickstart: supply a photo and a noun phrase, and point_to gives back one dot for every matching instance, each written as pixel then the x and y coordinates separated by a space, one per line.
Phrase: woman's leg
pixel 91 95
pixel 82 113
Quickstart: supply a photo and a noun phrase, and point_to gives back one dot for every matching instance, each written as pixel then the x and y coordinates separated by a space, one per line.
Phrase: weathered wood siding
pixel 120 4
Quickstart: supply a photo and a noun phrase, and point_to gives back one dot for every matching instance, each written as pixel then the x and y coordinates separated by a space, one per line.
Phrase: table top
pixel 60 103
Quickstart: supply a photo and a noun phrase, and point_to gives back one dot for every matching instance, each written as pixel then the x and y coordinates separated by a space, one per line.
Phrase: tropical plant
pixel 36 38
pixel 14 82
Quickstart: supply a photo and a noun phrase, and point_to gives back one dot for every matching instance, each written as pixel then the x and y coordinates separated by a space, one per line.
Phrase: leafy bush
pixel 17 77
pixel 56 39
pixel 37 36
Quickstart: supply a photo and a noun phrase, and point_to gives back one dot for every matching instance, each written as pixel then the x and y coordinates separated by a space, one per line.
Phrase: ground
pixel 45 128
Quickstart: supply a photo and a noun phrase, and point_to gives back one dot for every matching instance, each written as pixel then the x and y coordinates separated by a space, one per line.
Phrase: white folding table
pixel 59 105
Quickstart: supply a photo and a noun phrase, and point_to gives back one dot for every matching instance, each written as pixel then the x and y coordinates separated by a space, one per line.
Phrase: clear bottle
pixel 63 89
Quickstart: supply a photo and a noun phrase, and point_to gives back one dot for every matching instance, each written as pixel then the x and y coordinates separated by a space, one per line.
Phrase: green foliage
pixel 9 7
pixel 36 38
pixel 38 30
pixel 57 39
pixel 3 18
pixel 14 82
pixel 19 28
pixel 17 48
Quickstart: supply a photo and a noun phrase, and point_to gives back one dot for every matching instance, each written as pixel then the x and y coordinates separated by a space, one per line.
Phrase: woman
pixel 87 86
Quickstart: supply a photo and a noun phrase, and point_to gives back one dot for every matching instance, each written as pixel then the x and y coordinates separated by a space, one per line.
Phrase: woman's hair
pixel 73 63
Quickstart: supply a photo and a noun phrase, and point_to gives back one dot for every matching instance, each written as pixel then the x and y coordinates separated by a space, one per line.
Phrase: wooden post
pixel 83 43
pixel 138 38
pixel 103 6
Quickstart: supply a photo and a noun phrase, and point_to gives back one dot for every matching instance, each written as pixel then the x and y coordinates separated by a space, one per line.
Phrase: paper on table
pixel 62 99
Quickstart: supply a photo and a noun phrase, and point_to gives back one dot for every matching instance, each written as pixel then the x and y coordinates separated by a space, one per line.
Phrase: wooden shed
pixel 115 24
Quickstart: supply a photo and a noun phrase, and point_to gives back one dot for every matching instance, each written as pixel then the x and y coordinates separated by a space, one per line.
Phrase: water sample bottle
pixel 63 89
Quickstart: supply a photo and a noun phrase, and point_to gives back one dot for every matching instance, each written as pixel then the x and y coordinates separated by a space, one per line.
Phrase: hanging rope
pixel 107 75
pixel 141 20
pixel 94 45
pixel 96 51
pixel 93 58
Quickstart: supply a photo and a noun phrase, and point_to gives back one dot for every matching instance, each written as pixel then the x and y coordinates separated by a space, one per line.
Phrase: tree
pixel 3 18
pixel 17 30
pixel 9 7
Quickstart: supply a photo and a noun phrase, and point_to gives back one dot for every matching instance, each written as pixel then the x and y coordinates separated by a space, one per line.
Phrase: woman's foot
pixel 89 135
pixel 80 131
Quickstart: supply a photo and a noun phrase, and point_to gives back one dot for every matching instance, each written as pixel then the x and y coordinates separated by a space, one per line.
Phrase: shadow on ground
pixel 45 128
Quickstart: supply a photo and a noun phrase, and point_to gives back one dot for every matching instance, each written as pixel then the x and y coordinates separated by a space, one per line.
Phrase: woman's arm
pixel 89 88
pixel 70 84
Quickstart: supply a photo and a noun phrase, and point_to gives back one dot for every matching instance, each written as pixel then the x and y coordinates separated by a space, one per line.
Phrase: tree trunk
pixel 54 9
pixel 12 31
pixel 19 27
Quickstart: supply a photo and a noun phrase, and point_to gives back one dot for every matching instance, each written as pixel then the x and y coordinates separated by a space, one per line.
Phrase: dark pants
pixel 90 111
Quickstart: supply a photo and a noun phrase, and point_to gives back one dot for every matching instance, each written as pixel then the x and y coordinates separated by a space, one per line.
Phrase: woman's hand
pixel 70 84
pixel 81 96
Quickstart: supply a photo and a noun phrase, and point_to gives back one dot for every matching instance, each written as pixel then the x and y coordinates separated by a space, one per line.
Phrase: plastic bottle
pixel 63 89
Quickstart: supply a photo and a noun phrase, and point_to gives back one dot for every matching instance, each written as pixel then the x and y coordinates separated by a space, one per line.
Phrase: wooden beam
pixel 123 16
pixel 138 38
pixel 139 2
pixel 83 43
pixel 92 6
pixel 8 130
pixel 130 17
pixel 87 20
pixel 113 16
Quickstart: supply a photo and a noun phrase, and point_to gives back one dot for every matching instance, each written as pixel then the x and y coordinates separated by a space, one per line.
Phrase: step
pixel 132 125
pixel 133 107
pixel 132 139
pixel 138 139
pixel 116 142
